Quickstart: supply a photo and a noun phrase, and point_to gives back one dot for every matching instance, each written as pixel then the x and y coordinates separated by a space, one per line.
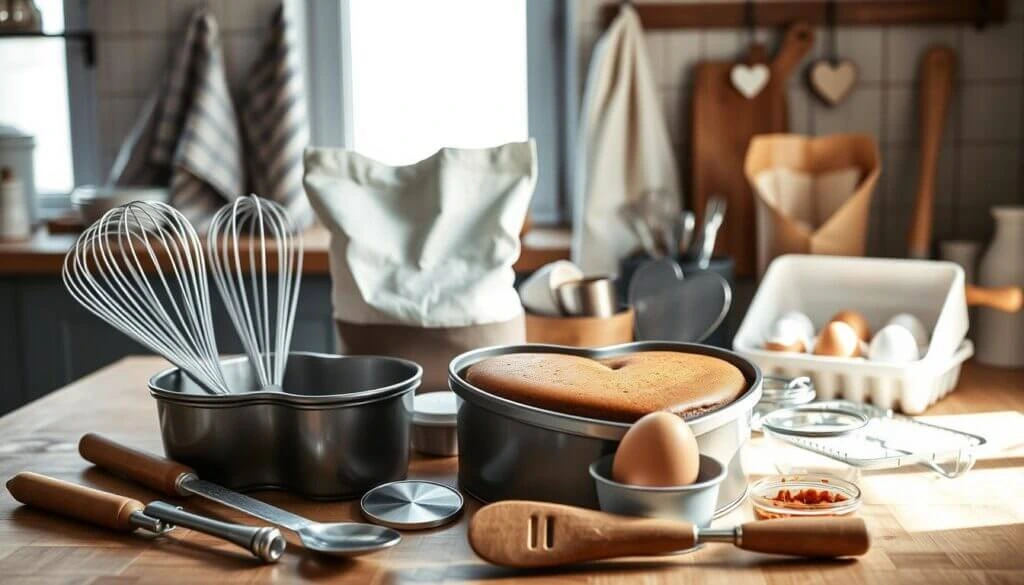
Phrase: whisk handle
pixel 145 468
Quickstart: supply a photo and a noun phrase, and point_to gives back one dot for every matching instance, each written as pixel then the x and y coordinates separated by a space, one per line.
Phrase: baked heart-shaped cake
pixel 622 388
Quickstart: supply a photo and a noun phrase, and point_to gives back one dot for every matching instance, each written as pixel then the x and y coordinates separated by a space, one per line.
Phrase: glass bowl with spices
pixel 803 496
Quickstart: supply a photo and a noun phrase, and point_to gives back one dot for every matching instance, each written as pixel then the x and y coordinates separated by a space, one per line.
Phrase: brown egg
pixel 659 450
pixel 837 339
pixel 855 320
pixel 783 344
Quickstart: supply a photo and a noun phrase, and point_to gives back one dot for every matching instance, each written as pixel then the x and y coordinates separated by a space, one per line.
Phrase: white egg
pixel 793 325
pixel 914 325
pixel 893 344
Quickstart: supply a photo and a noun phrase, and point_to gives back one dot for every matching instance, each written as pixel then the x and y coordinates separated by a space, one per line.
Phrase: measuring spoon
pixel 346 539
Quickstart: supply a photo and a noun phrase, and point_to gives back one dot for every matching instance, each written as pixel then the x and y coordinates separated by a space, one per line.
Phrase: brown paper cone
pixel 844 233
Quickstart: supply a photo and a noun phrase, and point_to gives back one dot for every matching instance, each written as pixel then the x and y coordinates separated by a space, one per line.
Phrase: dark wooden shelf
pixel 847 13
pixel 86 37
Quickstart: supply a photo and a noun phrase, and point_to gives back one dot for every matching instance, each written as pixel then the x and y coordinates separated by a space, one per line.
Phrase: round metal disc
pixel 814 421
pixel 411 504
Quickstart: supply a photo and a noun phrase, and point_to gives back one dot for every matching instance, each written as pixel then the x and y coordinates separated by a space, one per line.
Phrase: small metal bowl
pixel 694 503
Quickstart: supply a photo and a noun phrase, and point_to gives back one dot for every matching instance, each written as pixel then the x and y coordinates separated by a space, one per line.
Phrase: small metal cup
pixel 694 503
pixel 591 297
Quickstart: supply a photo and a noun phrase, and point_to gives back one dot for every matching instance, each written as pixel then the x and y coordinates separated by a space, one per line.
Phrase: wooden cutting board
pixel 722 123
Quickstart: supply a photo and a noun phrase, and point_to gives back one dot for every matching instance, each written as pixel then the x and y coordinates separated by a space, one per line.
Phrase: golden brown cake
pixel 622 388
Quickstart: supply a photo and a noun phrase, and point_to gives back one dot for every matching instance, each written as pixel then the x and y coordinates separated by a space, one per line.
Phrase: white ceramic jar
pixel 1000 337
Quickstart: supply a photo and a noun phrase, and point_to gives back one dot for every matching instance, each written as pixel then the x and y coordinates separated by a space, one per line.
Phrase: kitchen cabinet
pixel 50 340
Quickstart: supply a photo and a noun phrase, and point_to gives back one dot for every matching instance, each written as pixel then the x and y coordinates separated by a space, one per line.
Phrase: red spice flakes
pixel 807 497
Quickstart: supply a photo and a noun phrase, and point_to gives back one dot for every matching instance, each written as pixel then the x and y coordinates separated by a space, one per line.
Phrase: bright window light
pixel 426 75
pixel 34 98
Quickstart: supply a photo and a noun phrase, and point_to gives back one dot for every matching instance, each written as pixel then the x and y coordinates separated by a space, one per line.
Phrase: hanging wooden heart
pixel 833 81
pixel 749 80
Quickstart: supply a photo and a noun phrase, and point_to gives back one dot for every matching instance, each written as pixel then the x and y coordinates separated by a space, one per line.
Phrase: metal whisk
pixel 256 261
pixel 141 269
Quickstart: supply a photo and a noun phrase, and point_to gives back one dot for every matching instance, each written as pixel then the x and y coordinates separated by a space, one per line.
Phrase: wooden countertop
pixel 926 529
pixel 43 253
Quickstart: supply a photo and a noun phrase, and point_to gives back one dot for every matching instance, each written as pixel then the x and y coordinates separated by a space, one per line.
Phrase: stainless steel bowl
pixel 509 450
pixel 694 503
pixel 340 427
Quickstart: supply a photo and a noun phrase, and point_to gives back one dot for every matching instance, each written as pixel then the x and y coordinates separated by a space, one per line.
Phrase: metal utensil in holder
pixel 884 441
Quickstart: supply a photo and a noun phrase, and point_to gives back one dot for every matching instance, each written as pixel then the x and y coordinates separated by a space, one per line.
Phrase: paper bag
pixel 812 195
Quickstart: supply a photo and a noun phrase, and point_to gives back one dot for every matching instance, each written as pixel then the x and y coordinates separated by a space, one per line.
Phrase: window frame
pixel 327 51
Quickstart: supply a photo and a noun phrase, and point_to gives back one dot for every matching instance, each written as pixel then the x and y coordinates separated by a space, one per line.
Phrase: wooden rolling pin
pixel 1008 299
pixel 936 85
pixel 536 534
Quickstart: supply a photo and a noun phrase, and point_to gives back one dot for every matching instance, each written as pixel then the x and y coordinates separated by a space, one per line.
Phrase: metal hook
pixel 750 19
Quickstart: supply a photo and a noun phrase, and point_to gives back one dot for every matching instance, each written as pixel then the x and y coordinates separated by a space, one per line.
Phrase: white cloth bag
pixel 624 150
pixel 431 244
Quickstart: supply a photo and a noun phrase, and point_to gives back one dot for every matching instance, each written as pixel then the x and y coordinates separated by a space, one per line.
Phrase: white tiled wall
pixel 981 160
pixel 135 40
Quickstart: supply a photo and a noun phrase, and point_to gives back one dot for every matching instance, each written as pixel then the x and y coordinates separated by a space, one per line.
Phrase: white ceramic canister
pixel 16 152
pixel 14 217
pixel 1000 337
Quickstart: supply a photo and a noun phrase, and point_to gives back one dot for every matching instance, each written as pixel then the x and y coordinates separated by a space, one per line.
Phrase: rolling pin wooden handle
pixel 1008 299
pixel 807 537
pixel 76 501
pixel 147 469
pixel 937 69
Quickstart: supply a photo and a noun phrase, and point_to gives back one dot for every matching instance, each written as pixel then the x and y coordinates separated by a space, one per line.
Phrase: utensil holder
pixel 580 331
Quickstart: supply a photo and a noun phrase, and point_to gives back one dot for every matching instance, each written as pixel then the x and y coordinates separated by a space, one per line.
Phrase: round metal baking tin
pixel 510 450
pixel 412 504
pixel 597 428
pixel 309 378
pixel 814 421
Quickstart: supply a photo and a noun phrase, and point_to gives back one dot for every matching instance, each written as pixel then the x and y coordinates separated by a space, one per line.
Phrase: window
pixel 34 98
pixel 444 73
pixel 413 76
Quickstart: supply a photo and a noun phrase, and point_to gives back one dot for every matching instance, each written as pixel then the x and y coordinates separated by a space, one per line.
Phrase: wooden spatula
pixel 1008 299
pixel 936 85
pixel 537 534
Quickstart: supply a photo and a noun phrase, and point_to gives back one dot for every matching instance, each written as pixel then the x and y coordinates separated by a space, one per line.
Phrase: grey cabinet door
pixel 12 386
pixel 61 341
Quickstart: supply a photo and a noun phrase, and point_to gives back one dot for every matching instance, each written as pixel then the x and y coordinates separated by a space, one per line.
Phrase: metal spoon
pixel 345 539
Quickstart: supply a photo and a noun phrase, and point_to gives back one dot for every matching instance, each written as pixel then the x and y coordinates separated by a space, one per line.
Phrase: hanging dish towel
pixel 274 122
pixel 624 148
pixel 188 133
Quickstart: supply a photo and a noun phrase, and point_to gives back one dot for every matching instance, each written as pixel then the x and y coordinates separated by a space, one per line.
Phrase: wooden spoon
pixel 937 70
pixel 537 534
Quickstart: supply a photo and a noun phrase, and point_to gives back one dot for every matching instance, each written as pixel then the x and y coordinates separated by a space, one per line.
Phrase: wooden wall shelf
pixel 847 13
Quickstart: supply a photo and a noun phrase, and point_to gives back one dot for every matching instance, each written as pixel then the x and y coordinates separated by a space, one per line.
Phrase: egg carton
pixel 878 288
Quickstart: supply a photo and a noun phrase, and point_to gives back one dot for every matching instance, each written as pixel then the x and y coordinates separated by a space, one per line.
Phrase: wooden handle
pixel 1008 299
pixel 537 534
pixel 76 501
pixel 145 468
pixel 936 85
pixel 799 39
pixel 807 537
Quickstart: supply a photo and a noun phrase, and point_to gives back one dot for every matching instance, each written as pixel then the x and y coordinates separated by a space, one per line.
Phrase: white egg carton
pixel 878 288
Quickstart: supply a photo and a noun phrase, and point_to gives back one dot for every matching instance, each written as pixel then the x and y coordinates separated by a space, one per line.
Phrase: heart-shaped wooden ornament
pixel 749 80
pixel 833 82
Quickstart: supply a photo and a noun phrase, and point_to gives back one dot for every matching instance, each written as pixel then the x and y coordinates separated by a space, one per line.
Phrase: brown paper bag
pixel 813 195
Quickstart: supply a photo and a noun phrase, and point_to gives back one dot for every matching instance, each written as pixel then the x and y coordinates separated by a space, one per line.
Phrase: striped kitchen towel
pixel 188 136
pixel 274 122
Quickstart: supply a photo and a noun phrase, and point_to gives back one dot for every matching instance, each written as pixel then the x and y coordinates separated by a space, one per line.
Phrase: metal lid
pixel 411 504
pixel 11 136
pixel 814 421
pixel 435 408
